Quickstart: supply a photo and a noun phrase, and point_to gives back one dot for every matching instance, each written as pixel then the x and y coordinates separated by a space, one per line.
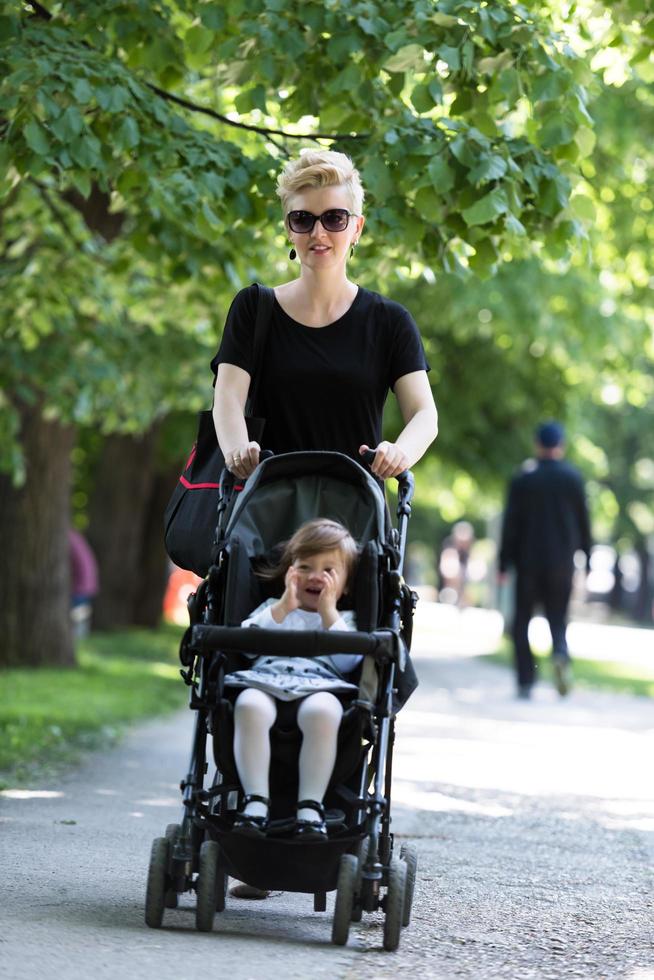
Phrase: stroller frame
pixel 199 853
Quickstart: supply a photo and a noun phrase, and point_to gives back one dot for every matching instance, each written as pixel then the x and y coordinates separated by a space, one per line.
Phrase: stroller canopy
pixel 285 491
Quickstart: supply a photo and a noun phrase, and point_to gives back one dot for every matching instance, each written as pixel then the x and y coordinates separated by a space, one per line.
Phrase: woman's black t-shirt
pixel 324 388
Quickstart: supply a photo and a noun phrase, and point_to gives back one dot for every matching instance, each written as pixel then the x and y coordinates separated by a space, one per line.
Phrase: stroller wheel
pixel 173 831
pixel 394 904
pixel 206 886
pixel 155 894
pixel 347 878
pixel 409 855
pixel 221 887
pixel 357 909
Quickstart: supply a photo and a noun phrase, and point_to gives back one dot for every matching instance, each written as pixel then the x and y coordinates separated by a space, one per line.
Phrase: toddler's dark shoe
pixel 247 824
pixel 311 830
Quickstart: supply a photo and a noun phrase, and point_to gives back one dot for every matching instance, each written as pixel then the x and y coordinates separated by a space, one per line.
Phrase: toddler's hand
pixel 327 601
pixel 289 600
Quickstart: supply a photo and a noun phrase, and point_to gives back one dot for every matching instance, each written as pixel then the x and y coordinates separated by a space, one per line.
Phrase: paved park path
pixel 534 824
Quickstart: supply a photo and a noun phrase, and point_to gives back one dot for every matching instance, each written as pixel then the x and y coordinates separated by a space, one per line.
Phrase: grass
pixel 49 717
pixel 598 674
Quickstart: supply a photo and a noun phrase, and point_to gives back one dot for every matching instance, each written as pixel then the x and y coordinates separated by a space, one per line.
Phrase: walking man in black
pixel 545 523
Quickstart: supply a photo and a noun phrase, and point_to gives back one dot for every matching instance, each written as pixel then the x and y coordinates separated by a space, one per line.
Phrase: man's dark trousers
pixel 551 588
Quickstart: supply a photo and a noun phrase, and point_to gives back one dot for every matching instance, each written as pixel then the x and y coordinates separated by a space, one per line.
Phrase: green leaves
pixel 213 16
pixel 378 179
pixel 583 207
pixel 473 123
pixel 426 95
pixel 254 98
pixel 429 204
pixel 451 57
pixel 112 98
pixel 441 174
pixel 411 56
pixel 199 39
pixel 127 135
pixel 444 20
pixel 557 129
pixel 68 125
pixel 486 209
pixel 490 167
pixel 36 138
pixel 86 151
pixel 551 85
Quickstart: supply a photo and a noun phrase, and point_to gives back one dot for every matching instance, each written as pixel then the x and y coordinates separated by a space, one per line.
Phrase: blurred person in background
pixel 83 581
pixel 545 522
pixel 453 564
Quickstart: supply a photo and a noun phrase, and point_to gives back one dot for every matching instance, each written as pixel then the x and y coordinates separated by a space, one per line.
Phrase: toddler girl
pixel 317 564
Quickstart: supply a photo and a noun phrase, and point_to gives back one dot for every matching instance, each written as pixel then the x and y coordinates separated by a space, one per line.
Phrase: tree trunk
pixel 154 560
pixel 35 625
pixel 117 514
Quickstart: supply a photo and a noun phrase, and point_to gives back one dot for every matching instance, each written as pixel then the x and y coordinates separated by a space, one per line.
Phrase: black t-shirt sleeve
pixel 407 352
pixel 236 346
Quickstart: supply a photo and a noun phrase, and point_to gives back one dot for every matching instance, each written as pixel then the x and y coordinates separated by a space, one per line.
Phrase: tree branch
pixel 40 11
pixel 253 129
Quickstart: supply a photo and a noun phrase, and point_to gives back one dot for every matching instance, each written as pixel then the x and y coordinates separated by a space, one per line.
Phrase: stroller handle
pixel 383 645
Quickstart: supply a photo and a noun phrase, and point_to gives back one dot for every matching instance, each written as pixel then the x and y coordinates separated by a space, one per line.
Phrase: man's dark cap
pixel 550 434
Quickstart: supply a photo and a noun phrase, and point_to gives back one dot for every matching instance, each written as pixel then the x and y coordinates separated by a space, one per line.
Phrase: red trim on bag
pixel 191 457
pixel 198 486
pixel 205 486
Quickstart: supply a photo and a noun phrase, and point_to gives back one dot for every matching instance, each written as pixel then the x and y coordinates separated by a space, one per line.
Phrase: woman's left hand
pixel 389 461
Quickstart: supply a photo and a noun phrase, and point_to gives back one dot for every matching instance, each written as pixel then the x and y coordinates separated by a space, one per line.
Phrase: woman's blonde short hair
pixel 320 168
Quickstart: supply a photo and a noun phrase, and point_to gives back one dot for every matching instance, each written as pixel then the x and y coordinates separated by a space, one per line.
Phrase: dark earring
pixel 352 248
pixel 292 254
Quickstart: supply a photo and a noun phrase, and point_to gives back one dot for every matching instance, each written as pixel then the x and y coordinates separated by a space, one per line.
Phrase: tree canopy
pixel 140 148
pixel 505 153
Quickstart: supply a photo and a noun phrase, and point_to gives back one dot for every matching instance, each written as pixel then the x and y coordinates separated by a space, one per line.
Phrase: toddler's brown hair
pixel 313 537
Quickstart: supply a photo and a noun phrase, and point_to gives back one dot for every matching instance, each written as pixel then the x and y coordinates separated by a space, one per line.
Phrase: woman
pixel 334 349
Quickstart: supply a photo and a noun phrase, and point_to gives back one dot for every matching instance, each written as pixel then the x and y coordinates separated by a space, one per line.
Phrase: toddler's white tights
pixel 319 717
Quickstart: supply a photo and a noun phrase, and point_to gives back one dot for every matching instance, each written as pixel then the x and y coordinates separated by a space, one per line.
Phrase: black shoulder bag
pixel 192 513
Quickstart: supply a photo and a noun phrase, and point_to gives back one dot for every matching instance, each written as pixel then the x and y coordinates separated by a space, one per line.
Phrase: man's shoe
pixel 562 675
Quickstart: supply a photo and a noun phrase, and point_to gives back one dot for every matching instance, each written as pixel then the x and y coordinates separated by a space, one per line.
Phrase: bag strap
pixel 265 300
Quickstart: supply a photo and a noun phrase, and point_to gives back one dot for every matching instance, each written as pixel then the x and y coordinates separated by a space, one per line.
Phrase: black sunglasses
pixel 335 219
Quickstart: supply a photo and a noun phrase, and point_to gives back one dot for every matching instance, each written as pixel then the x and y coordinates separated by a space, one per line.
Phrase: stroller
pixel 358 859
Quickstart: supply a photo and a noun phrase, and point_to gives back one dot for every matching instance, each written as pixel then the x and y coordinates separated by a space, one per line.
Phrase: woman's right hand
pixel 243 460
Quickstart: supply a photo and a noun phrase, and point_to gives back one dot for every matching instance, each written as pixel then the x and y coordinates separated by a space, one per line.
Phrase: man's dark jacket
pixel 546 518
